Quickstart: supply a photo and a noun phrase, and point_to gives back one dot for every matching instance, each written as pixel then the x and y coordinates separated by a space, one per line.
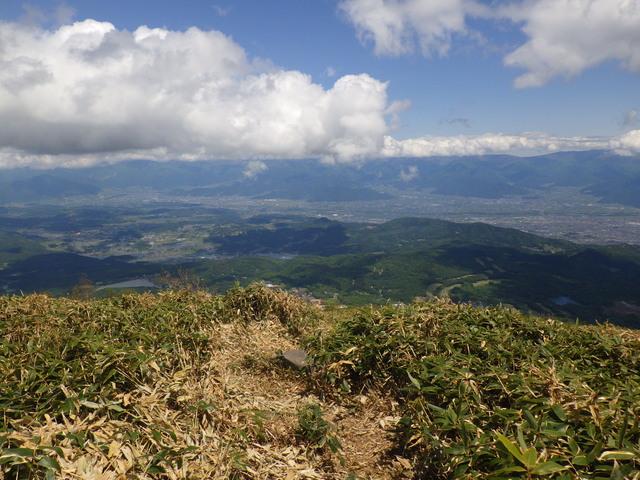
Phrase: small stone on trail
pixel 297 359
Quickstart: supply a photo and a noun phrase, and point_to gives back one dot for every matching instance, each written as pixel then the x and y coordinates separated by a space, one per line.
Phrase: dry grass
pixel 228 412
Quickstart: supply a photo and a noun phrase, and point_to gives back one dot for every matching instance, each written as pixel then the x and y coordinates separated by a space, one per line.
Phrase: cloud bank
pixel 565 37
pixel 525 144
pixel 88 91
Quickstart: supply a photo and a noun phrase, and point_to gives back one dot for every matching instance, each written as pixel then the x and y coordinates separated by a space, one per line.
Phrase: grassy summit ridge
pixel 185 384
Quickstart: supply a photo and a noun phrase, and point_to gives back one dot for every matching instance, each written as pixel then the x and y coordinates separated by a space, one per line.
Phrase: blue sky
pixel 341 80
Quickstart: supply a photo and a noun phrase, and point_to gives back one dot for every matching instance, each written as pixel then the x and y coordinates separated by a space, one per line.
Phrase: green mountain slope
pixel 325 237
pixel 411 257
pixel 58 272
pixel 319 237
pixel 591 281
pixel 420 233
pixel 18 247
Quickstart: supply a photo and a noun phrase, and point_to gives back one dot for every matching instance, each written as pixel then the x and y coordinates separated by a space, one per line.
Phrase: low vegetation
pixel 491 393
pixel 185 384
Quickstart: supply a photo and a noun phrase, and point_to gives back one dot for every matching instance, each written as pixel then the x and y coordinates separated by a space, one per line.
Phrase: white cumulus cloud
pixel 627 144
pixel 565 37
pixel 88 91
pixel 397 27
pixel 569 36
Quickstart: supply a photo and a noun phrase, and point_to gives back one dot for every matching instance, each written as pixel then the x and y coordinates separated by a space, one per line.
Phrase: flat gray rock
pixel 297 359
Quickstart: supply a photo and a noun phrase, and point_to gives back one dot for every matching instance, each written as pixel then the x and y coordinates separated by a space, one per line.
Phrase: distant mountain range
pixel 607 176
pixel 43 187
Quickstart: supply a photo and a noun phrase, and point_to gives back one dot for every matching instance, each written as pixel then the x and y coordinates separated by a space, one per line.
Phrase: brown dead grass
pixel 248 363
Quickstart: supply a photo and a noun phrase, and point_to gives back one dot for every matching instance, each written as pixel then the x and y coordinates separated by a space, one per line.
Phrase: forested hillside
pixel 343 263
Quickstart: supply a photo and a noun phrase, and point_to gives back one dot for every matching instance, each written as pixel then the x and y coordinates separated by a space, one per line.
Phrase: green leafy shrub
pixel 491 393
pixel 316 430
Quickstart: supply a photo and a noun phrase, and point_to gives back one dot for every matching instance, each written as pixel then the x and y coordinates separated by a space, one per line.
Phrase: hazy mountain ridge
pixel 493 176
pixel 625 191
pixel 44 187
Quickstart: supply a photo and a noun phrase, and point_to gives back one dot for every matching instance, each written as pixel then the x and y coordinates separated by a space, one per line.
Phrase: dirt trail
pixel 251 377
